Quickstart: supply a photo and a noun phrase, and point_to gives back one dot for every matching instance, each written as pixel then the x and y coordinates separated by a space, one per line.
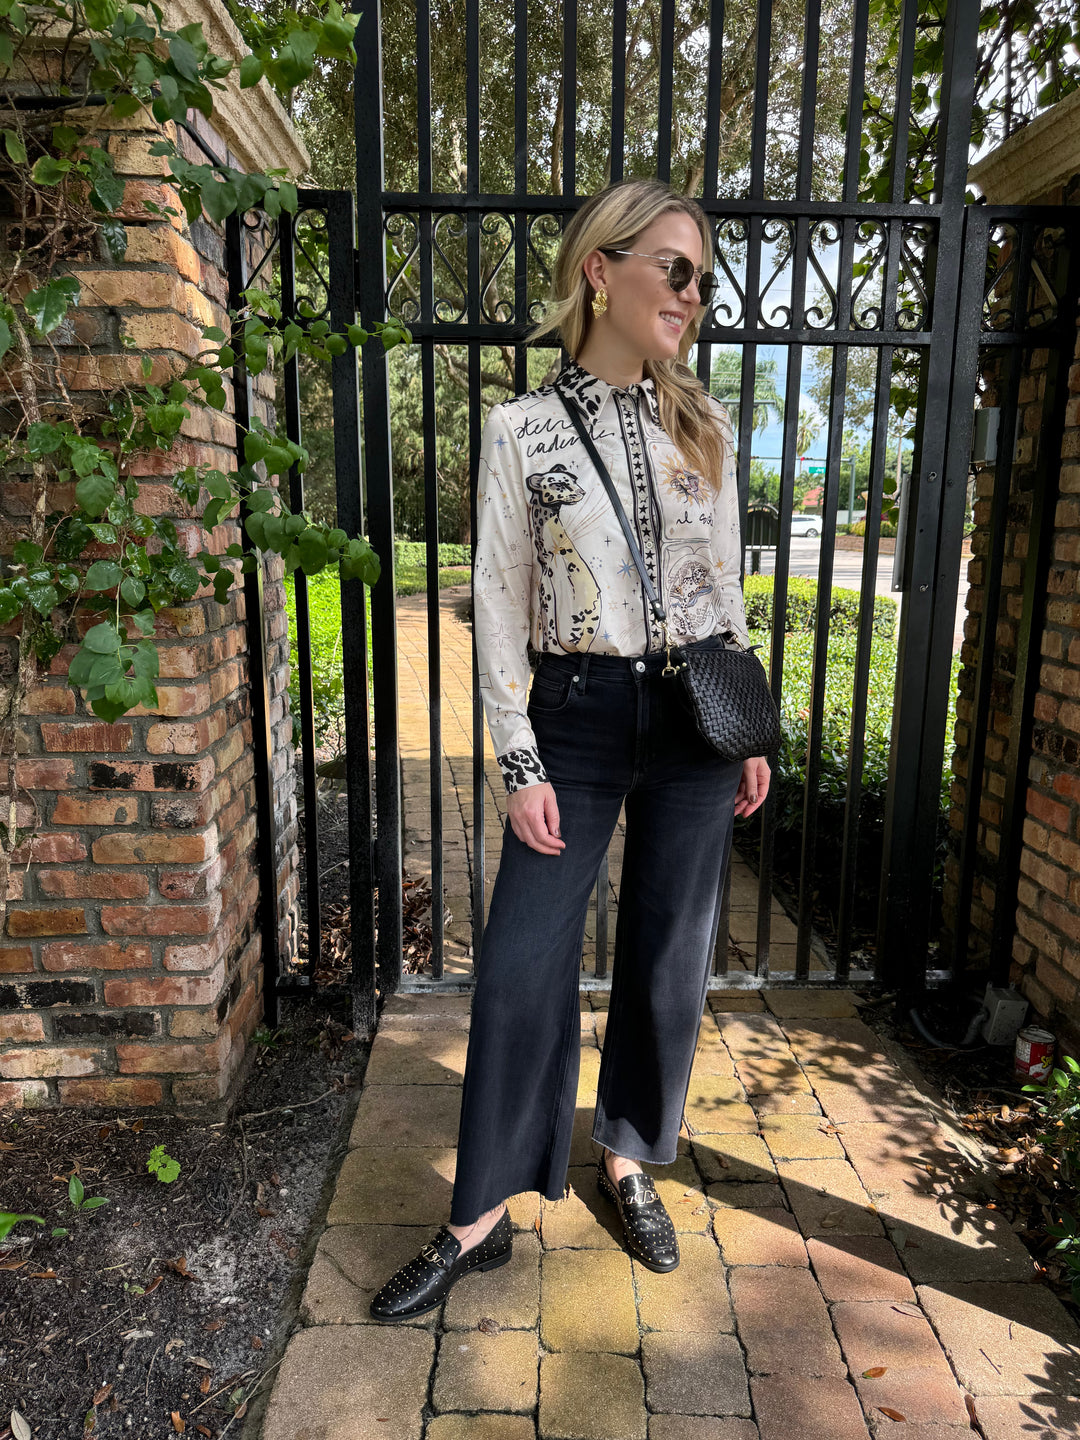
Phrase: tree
pixel 725 383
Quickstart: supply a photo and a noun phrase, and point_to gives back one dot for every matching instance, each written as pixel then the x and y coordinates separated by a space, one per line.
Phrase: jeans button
pixel 639 666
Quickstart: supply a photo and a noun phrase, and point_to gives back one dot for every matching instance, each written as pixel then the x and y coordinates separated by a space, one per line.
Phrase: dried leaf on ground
pixel 890 1413
pixel 875 1373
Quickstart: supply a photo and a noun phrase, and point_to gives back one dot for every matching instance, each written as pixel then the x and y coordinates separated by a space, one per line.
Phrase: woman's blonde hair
pixel 612 220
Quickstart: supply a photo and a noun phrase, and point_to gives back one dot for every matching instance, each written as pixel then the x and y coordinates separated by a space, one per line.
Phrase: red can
pixel 1034 1054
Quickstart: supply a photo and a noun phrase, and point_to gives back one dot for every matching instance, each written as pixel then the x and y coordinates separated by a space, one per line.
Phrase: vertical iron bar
pixel 901 118
pixel 863 647
pixel 856 99
pixel 667 80
pixel 341 233
pixel 618 89
pixel 293 429
pixel 712 99
pixel 721 963
pixel 923 661
pixel 808 100
pixel 479 778
pixel 236 262
pixel 569 135
pixel 760 131
pixel 378 474
pixel 431 491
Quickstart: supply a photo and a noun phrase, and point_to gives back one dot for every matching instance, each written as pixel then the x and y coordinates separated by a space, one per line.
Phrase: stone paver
pixel 806 1407
pixel 587 1301
pixel 827 1198
pixel 351 1382
pixel 859 1267
pixel 694 1296
pixel 801 1137
pixel 700 1427
pixel 759 1237
pixel 587 1396
pixel 782 1322
pixel 509 1295
pixel 480 1371
pixel 810 1004
pixel 350 1264
pixel 950 1239
pixel 781 1310
pixel 694 1373
pixel 394 1185
pixel 583 1220
pixel 407 1115
pixel 1006 1339
pixel 480 1427
pixel 742 1158
pixel 716 1105
pixel 1014 1417
pixel 417 1057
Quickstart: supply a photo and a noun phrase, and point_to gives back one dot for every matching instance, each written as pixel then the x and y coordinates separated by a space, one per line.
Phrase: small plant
pixel 8 1221
pixel 1059 1106
pixel 163 1165
pixel 268 1039
pixel 77 1193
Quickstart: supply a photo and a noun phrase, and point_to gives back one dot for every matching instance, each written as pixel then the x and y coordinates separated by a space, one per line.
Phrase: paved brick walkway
pixel 840 1277
pixel 457 799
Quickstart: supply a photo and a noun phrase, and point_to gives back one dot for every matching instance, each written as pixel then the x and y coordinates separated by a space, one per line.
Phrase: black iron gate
pixel 809 267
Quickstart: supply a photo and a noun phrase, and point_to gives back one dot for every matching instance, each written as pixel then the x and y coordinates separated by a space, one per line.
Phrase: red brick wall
pixel 1046 945
pixel 130 964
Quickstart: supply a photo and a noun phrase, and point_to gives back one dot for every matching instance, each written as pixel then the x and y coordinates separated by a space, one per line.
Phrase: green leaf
pixel 132 590
pixel 49 171
pixel 218 198
pixel 75 1190
pixel 44 598
pixel 311 548
pixel 100 14
pixel 48 305
pixel 25 552
pixel 95 493
pixel 98 1199
pixel 251 71
pixel 5 337
pixel 102 639
pixel 103 575
pixel 9 1219
pixel 15 148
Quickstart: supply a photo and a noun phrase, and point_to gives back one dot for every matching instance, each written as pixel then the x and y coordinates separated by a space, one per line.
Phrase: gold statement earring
pixel 599 304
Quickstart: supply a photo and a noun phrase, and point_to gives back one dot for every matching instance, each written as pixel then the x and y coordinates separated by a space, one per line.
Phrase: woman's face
pixel 644 315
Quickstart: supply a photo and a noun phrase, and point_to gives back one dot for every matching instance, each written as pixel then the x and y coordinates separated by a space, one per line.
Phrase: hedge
pixel 802 607
pixel 412 553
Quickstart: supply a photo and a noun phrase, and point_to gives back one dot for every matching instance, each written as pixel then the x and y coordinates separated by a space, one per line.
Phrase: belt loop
pixel 583 670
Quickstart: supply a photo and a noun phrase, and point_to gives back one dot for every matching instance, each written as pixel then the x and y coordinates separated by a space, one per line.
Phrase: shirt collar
pixel 591 393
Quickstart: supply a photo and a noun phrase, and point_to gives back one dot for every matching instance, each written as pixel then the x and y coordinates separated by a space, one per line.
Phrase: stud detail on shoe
pixel 649 1233
pixel 423 1283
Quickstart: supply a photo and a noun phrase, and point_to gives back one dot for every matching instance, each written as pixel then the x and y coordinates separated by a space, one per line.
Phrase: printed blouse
pixel 552 565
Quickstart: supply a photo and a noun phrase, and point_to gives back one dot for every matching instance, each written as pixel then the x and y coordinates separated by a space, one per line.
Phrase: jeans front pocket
pixel 551 691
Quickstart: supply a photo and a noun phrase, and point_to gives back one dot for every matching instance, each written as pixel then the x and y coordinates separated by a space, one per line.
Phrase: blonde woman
pixel 601 727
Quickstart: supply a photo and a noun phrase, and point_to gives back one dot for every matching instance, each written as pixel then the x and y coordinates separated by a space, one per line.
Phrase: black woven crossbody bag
pixel 728 688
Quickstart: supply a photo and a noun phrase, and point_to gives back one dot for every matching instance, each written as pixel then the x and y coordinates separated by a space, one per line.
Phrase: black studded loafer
pixel 424 1283
pixel 650 1235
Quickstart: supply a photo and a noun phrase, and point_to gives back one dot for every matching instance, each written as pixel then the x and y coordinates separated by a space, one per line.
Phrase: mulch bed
pixel 166 1310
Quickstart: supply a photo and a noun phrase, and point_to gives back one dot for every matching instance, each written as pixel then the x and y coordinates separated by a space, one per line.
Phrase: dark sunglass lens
pixel 707 287
pixel 680 273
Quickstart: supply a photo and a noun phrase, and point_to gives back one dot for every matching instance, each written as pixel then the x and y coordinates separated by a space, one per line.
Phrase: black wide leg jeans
pixel 609 730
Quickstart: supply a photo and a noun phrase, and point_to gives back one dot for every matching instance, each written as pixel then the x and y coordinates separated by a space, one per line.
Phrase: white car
pixel 808 525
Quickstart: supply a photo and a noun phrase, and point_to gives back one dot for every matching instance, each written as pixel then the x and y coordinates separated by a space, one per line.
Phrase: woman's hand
pixel 753 787
pixel 534 817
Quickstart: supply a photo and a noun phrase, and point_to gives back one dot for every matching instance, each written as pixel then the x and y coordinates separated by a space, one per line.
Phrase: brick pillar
pixel 130 968
pixel 1046 945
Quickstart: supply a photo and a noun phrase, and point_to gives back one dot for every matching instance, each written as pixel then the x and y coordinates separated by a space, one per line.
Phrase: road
pixel 847 574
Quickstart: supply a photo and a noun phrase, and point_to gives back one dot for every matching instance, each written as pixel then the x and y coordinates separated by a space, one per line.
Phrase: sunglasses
pixel 679 273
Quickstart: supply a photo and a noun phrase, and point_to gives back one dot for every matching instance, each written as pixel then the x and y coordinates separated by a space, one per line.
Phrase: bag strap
pixel 613 495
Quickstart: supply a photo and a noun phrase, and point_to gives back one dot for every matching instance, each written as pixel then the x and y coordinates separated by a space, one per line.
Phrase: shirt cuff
pixel 521 768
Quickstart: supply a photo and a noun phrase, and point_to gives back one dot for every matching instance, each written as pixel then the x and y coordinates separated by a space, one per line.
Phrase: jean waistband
pixel 617 666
